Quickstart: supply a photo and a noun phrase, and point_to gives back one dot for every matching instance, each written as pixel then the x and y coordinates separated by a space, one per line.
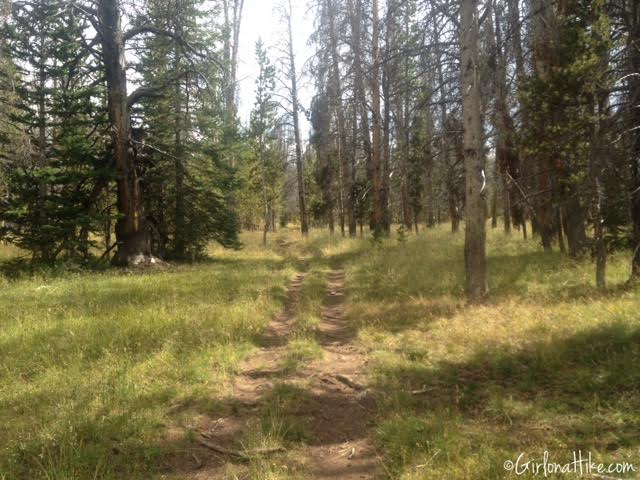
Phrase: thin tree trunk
pixel 233 22
pixel 385 168
pixel 375 169
pixel 633 41
pixel 179 219
pixel 520 210
pixel 506 158
pixel 265 187
pixel 475 206
pixel 360 104
pixel 304 227
pixel 445 149
pixel 600 243
pixel 494 200
pixel 560 224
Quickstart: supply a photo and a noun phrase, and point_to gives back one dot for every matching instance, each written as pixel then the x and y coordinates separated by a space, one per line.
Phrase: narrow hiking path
pixel 321 411
pixel 343 409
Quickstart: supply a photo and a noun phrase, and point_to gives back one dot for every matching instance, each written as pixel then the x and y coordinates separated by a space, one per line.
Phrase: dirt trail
pixel 342 410
pixel 259 372
pixel 336 408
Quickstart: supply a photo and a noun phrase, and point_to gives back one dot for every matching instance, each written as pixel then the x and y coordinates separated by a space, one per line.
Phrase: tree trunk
pixel 543 60
pixel 506 157
pixel 519 209
pixel 233 21
pixel 179 219
pixel 634 116
pixel 375 169
pixel 131 234
pixel 385 168
pixel 598 149
pixel 559 229
pixel 446 153
pixel 360 98
pixel 574 222
pixel 385 214
pixel 475 206
pixel 494 201
pixel 304 227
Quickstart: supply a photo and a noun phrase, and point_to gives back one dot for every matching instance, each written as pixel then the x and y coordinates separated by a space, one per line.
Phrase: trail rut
pixel 336 407
pixel 343 413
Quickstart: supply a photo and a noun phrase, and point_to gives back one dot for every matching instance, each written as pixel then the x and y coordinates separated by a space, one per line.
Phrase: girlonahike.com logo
pixel 580 464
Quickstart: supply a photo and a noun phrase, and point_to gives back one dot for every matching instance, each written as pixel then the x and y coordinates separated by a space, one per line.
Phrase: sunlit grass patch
pixel 299 352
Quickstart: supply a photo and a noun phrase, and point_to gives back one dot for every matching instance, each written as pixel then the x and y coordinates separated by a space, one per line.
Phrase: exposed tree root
pixel 244 454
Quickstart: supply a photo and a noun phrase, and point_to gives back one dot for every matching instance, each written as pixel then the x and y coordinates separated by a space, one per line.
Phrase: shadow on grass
pixel 394 317
pixel 584 388
pixel 285 415
pixel 396 286
pixel 20 268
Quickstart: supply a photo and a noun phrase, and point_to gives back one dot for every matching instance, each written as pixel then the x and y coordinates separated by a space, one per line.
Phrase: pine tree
pixel 55 183
pixel 186 183
pixel 265 163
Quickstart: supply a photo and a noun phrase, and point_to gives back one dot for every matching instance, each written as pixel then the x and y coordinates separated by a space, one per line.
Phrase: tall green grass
pixel 94 367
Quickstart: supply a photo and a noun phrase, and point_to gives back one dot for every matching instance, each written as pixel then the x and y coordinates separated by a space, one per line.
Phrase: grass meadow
pixel 94 367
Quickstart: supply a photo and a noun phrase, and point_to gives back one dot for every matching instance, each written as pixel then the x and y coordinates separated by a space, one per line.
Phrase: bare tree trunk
pixel 543 59
pixel 341 212
pixel 446 150
pixel 343 158
pixel 179 234
pixel 233 22
pixel 385 168
pixel 598 148
pixel 475 207
pixel 506 157
pixel 131 234
pixel 375 170
pixel 385 214
pixel 560 224
pixel 520 210
pixel 633 16
pixel 432 203
pixel 494 199
pixel 360 104
pixel 265 188
pixel 304 227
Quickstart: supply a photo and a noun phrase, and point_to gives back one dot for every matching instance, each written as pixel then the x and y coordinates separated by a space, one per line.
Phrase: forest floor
pixel 320 359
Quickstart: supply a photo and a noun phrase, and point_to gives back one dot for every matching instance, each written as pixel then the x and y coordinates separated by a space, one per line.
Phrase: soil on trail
pixel 342 411
pixel 335 405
